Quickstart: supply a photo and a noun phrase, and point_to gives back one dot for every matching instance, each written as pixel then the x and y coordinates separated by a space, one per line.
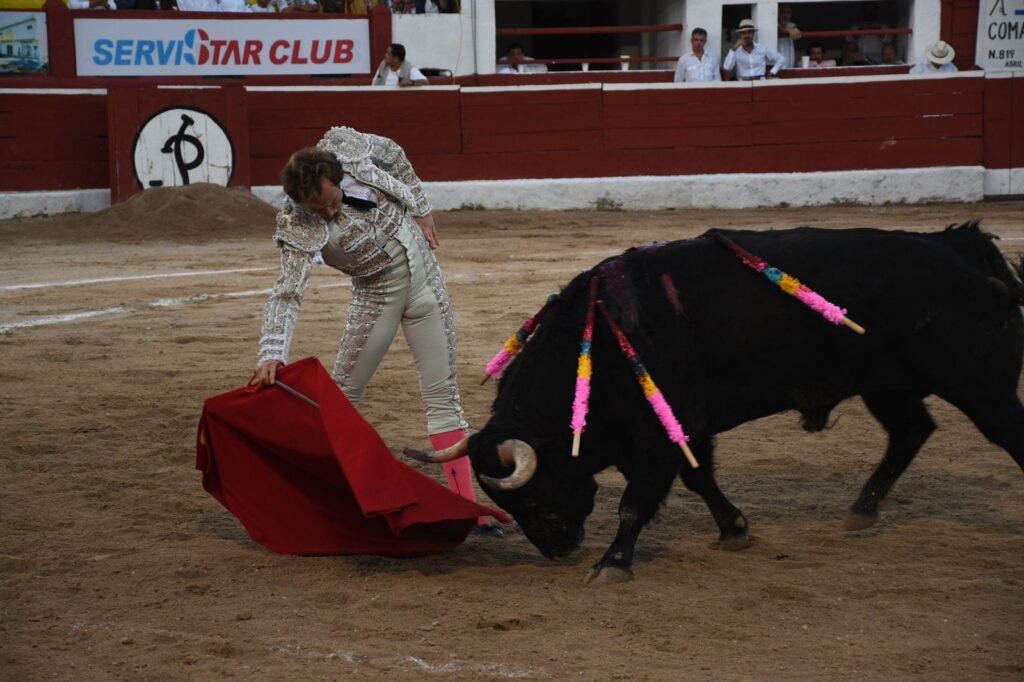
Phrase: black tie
pixel 356 202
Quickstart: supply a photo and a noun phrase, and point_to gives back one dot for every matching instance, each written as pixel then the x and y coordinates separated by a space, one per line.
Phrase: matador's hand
pixel 266 372
pixel 426 223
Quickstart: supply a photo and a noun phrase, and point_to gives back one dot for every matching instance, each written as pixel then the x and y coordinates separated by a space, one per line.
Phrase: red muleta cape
pixel 314 481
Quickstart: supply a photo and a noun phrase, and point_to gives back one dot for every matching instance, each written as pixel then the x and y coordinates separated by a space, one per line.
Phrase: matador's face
pixel 328 204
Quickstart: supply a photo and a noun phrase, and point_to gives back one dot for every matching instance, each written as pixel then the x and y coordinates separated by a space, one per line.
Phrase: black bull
pixel 727 346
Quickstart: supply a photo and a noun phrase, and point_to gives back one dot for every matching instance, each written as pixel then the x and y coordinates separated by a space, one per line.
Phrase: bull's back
pixel 931 317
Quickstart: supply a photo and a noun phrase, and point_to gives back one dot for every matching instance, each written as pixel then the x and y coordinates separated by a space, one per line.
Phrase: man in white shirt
pixel 395 72
pixel 213 6
pixel 748 59
pixel 516 61
pixel 697 66
pixel 938 58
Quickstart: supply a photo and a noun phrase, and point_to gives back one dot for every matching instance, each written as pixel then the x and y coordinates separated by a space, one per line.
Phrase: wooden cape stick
pixel 300 396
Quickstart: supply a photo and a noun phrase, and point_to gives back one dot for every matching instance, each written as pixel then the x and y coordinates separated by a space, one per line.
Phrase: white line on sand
pixel 161 303
pixel 456 278
pixel 126 278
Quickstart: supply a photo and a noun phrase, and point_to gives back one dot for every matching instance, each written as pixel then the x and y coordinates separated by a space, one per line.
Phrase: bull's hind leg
pixel 1001 420
pixel 908 423
pixel 733 533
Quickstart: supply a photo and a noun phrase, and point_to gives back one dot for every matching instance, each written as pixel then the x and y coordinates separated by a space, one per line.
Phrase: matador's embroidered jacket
pixel 376 162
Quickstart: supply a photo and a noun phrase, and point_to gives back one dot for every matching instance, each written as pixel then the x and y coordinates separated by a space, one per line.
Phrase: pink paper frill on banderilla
pixel 580 403
pixel 815 301
pixel 668 418
pixel 498 363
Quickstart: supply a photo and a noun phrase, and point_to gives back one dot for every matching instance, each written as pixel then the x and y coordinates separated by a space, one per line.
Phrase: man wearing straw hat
pixel 750 60
pixel 938 58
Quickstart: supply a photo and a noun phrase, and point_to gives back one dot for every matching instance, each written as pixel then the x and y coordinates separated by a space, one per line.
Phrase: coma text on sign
pixel 1000 44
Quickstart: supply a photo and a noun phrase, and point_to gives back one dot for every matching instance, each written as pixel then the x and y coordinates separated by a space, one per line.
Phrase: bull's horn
pixel 448 454
pixel 520 454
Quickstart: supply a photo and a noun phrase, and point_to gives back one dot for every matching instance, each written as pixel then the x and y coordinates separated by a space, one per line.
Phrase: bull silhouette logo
pixel 181 146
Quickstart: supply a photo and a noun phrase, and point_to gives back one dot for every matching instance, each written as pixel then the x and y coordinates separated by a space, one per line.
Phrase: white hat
pixel 940 52
pixel 746 25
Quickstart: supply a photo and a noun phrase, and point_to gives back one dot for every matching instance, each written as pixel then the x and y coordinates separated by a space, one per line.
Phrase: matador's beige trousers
pixel 404 295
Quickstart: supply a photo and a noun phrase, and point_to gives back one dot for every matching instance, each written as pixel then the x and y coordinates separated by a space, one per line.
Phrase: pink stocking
pixel 457 472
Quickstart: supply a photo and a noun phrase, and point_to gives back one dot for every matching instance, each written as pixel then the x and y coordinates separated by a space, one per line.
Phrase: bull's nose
pixel 562 547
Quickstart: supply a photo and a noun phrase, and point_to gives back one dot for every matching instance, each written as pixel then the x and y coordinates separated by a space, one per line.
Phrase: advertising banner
pixel 23 43
pixel 1000 35
pixel 219 47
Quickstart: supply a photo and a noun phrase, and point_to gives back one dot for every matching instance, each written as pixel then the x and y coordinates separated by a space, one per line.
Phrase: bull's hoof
pixel 733 543
pixel 860 521
pixel 609 575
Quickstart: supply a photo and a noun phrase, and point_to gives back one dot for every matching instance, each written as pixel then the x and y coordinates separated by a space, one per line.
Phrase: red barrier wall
pixel 52 141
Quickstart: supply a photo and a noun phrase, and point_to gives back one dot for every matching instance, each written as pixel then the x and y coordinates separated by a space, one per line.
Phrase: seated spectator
pixel 518 62
pixel 395 72
pixel 870 46
pixel 788 32
pixel 889 55
pixel 816 53
pixel 305 6
pixel 750 60
pixel 697 66
pixel 402 6
pixel 852 56
pixel 213 6
pixel 938 58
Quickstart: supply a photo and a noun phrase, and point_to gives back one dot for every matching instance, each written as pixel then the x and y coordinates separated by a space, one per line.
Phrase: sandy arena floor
pixel 114 564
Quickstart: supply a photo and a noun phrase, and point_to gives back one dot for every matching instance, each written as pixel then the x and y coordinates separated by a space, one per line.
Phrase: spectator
pixel 213 6
pixel 305 6
pixel 788 32
pixel 870 46
pixel 697 66
pixel 394 71
pixel 265 5
pixel 816 53
pixel 750 60
pixel 889 55
pixel 518 62
pixel 402 6
pixel 852 56
pixel 938 58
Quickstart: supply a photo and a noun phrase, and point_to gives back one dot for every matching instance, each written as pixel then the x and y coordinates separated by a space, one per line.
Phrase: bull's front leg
pixel 648 484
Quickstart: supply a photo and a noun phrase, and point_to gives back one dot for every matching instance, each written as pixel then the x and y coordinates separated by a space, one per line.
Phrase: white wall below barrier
pixel 25 204
pixel 738 190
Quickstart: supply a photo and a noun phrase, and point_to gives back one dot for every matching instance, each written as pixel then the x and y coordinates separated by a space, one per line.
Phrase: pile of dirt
pixel 197 212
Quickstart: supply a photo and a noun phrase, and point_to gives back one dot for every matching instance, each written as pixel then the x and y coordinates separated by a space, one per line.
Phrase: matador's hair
pixel 300 177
